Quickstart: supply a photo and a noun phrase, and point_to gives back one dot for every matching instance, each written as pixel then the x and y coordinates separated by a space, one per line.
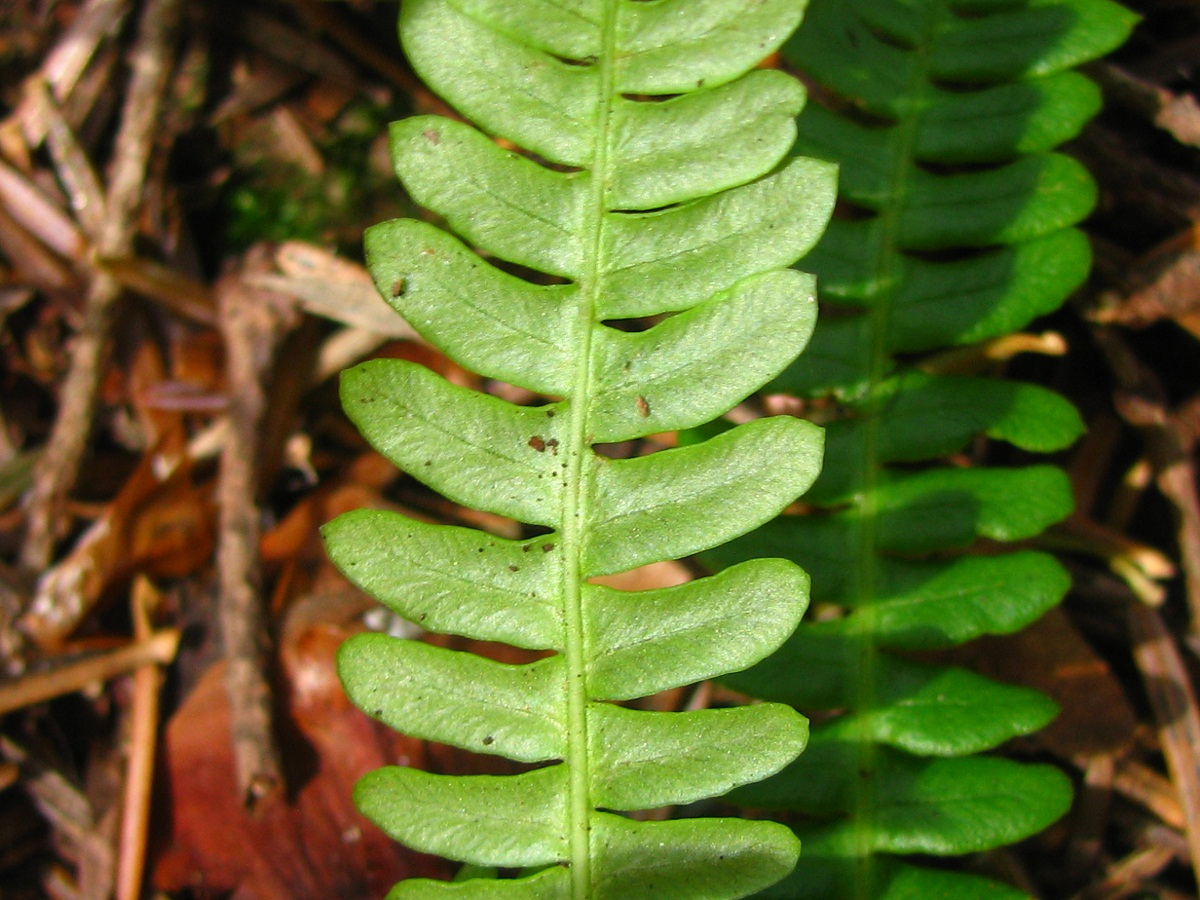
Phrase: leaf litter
pixel 156 161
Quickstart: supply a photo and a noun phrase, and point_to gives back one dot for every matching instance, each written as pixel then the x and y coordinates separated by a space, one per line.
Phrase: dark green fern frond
pixel 943 115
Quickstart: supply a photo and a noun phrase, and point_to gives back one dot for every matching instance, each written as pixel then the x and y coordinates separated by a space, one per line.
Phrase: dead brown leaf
pixel 313 845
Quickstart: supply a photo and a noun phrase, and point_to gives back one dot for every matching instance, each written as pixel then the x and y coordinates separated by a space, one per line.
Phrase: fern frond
pixel 943 115
pixel 650 185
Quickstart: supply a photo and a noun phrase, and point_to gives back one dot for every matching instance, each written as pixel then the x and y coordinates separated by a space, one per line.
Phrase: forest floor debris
pixel 183 187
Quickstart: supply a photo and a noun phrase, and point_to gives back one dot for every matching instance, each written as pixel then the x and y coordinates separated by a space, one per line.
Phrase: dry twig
pixel 1170 443
pixel 139 777
pixel 58 467
pixel 1170 691
pixel 27 690
pixel 253 322
pixel 71 814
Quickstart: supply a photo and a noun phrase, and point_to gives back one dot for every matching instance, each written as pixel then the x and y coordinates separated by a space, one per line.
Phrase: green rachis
pixel 652 186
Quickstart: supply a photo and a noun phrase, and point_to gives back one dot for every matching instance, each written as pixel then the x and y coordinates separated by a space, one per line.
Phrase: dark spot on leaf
pixel 537 444
pixel 514 568
pixel 527 547
pixel 549 414
pixel 642 406
pixel 432 135
pixel 546 548
pixel 429 462
pixel 378 714
pixel 398 288
pixel 421 617
pixel 480 549
pixel 488 741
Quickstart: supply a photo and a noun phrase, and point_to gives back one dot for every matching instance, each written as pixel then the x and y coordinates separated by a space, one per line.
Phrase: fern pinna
pixel 955 228
pixel 652 186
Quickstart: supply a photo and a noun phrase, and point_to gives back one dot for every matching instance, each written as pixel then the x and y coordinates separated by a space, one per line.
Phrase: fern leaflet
pixel 650 186
pixel 943 115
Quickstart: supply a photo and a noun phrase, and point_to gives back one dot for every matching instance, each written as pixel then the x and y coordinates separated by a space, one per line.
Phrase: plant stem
pixel 866 578
pixel 575 502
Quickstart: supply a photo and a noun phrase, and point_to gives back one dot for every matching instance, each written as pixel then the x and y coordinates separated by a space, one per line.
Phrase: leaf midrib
pixel 575 510
pixel 868 575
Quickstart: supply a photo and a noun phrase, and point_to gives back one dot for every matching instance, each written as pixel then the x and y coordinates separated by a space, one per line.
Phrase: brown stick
pixel 39 215
pixel 64 66
pixel 58 467
pixel 139 773
pixel 252 322
pixel 158 649
pixel 74 169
